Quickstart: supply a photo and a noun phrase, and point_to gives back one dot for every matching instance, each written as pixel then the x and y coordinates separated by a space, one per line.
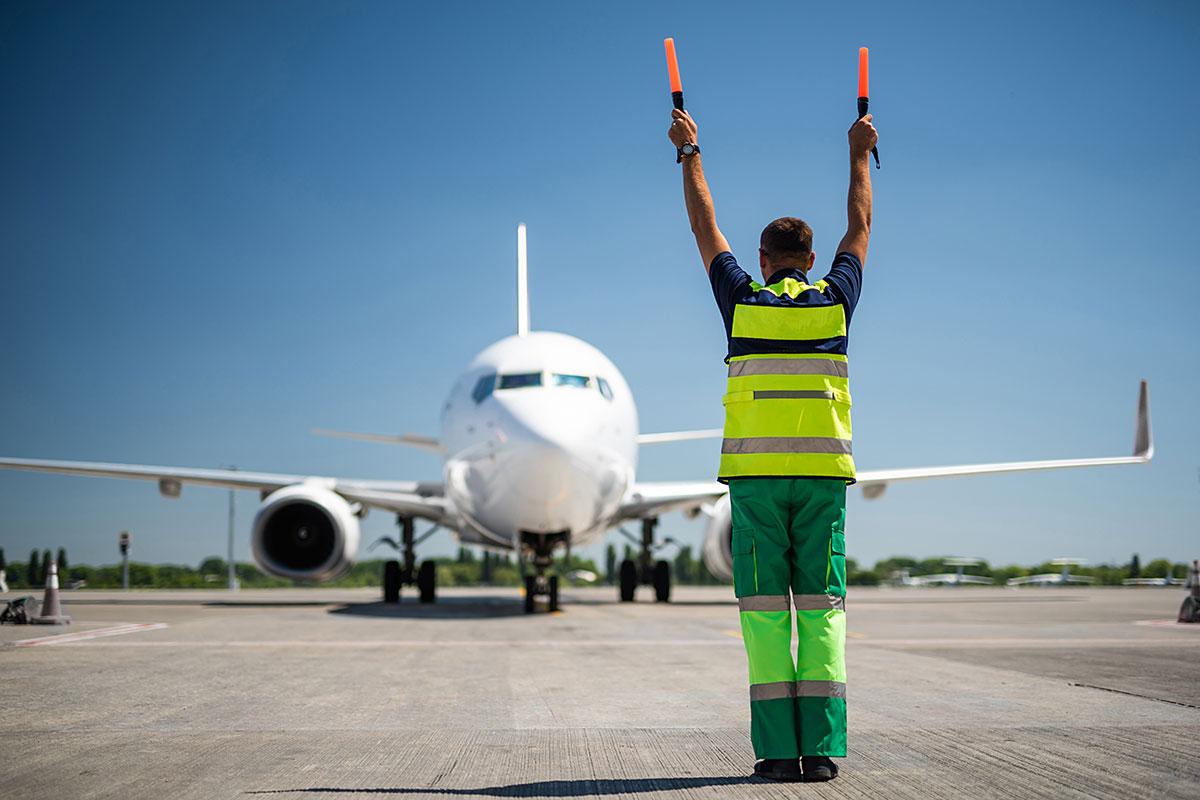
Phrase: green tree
pixel 1158 568
pixel 62 561
pixel 485 568
pixel 1135 566
pixel 610 563
pixel 33 570
pixel 685 566
pixel 3 563
pixel 213 565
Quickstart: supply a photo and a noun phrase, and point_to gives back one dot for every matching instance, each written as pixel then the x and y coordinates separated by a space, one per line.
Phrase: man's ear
pixel 762 262
pixel 812 259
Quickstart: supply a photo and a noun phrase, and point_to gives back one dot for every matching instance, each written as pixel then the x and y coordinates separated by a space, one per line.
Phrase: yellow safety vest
pixel 787 400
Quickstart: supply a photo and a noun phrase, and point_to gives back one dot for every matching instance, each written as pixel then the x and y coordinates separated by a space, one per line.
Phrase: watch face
pixel 688 149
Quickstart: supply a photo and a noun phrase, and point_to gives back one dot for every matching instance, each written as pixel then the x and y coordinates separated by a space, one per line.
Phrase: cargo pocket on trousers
pixel 745 577
pixel 837 559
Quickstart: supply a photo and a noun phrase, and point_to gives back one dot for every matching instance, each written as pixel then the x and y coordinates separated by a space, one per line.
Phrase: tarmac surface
pixel 954 692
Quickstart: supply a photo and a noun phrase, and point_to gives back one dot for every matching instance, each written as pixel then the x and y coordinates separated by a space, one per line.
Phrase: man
pixel 787 459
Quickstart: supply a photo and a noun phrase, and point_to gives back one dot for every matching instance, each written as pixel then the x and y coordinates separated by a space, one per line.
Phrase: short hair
pixel 787 238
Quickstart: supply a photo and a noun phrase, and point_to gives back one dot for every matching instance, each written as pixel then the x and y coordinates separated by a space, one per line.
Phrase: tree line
pixel 468 568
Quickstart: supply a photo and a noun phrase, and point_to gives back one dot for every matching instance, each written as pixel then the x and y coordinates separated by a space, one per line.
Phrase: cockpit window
pixel 520 380
pixel 580 381
pixel 605 389
pixel 483 389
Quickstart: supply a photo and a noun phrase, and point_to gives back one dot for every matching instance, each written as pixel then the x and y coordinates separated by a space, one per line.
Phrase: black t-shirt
pixel 732 285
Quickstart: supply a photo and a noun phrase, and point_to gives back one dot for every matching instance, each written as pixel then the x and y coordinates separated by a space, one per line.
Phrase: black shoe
pixel 819 768
pixel 784 770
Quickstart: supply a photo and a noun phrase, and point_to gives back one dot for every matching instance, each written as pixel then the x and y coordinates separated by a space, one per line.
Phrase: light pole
pixel 123 543
pixel 231 581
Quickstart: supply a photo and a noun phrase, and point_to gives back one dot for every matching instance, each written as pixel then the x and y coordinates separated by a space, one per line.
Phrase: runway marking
pixel 967 642
pixel 1168 623
pixel 363 645
pixel 85 636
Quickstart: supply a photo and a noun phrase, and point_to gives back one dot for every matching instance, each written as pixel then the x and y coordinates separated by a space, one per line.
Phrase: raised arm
pixel 862 137
pixel 701 214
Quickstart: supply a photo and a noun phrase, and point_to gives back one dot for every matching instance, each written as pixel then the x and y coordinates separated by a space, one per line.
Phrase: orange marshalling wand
pixel 862 73
pixel 864 93
pixel 673 73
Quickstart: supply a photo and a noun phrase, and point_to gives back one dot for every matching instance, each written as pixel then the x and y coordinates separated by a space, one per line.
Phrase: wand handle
pixel 864 104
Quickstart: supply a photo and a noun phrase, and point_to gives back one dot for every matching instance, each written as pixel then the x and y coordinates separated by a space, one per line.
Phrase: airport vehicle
pixel 1062 578
pixel 539 440
pixel 956 578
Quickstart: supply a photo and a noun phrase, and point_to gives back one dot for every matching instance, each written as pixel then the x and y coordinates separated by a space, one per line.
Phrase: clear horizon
pixel 229 224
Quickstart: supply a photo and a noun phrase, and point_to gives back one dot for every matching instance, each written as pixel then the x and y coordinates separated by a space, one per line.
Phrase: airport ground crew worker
pixel 787 458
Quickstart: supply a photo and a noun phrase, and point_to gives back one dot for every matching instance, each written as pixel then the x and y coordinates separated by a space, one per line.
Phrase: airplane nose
pixel 549 422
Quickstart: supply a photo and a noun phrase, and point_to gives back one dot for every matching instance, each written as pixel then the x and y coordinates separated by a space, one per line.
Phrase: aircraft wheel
pixel 629 580
pixel 427 581
pixel 1190 610
pixel 552 600
pixel 391 581
pixel 530 593
pixel 662 581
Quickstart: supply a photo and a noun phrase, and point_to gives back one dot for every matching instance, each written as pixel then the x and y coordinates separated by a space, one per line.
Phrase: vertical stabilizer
pixel 522 283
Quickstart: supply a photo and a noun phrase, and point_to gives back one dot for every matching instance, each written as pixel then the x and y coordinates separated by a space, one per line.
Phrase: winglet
pixel 1143 439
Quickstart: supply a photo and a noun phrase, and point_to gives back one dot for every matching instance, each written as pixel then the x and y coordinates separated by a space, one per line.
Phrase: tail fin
pixel 522 283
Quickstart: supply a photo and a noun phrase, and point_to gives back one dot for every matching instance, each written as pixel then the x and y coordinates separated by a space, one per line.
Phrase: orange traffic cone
pixel 51 611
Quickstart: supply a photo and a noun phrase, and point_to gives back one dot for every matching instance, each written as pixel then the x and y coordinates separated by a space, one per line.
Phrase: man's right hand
pixel 683 129
pixel 863 137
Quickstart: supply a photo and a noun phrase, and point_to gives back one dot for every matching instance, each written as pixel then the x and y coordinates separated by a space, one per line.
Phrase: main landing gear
pixel 539 584
pixel 646 571
pixel 406 573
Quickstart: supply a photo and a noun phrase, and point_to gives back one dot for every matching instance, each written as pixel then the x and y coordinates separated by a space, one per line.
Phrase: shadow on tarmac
pixel 444 608
pixel 576 788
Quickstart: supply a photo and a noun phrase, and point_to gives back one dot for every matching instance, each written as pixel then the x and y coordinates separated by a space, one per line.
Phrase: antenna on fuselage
pixel 522 283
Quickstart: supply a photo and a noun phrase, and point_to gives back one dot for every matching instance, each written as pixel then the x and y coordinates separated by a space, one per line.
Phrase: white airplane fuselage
pixel 540 435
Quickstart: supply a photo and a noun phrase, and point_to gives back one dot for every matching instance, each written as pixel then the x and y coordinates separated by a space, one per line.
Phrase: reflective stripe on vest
pixel 787 408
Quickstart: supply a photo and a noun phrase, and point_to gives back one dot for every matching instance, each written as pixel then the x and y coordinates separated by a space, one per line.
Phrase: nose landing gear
pixel 646 571
pixel 397 574
pixel 539 584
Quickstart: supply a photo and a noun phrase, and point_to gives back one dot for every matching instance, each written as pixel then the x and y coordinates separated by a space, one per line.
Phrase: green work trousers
pixel 789 543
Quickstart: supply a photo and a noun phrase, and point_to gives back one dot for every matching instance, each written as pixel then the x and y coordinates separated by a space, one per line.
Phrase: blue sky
pixel 226 223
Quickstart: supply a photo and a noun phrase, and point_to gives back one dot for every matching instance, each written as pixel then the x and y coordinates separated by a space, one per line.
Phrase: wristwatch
pixel 688 149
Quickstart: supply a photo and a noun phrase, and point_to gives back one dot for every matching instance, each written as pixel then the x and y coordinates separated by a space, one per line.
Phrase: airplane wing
pixel 658 497
pixel 874 482
pixel 420 499
pixel 679 436
pixel 648 499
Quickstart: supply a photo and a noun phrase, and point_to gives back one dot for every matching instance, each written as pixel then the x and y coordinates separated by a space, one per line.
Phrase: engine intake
pixel 305 532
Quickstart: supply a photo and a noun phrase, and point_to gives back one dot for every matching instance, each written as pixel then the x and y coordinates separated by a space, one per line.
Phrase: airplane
pixel 956 578
pixel 1166 581
pixel 539 442
pixel 1055 578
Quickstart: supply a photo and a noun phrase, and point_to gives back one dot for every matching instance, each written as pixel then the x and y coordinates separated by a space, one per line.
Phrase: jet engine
pixel 305 532
pixel 718 550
